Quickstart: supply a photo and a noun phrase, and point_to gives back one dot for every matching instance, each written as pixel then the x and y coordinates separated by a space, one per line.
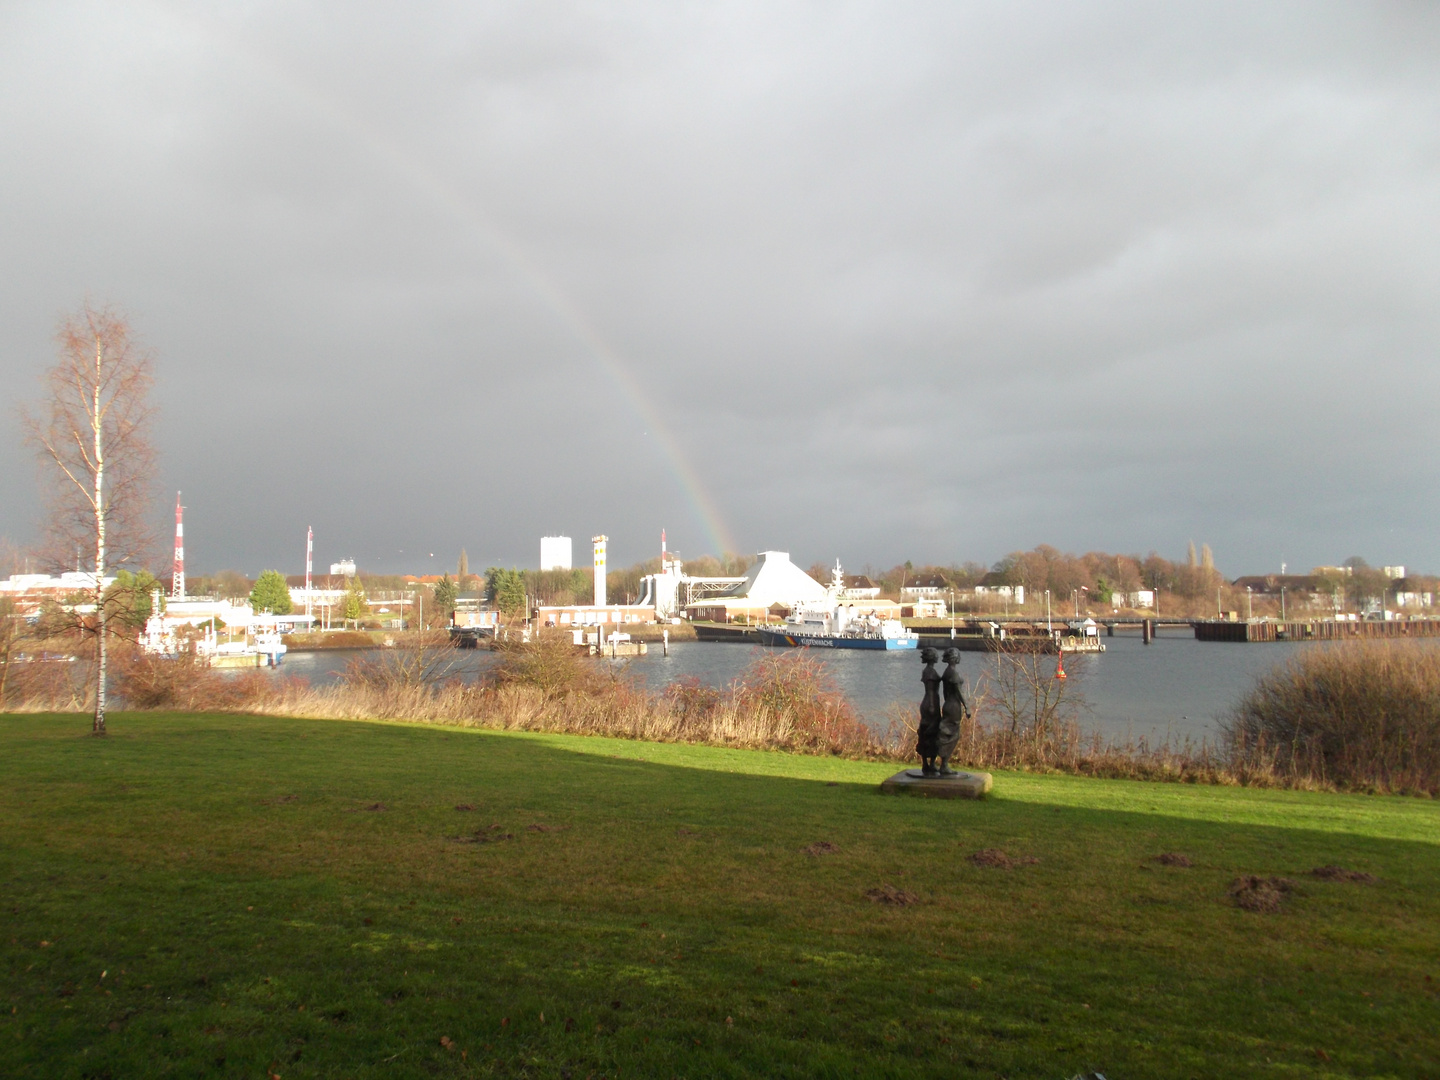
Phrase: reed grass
pixel 1361 715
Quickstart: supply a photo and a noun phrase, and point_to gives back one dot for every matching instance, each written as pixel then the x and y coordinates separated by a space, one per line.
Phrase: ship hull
pixel 781 639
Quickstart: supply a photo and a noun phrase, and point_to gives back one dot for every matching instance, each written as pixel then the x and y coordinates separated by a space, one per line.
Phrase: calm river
pixel 1175 688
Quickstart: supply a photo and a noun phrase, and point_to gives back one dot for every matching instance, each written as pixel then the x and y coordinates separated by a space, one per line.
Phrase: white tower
pixel 555 553
pixel 309 562
pixel 599 542
pixel 177 577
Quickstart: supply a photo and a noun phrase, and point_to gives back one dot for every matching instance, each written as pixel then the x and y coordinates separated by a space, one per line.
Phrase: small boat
pixel 265 648
pixel 834 625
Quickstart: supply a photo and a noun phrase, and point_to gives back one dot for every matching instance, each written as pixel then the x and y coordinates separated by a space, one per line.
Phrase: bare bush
pixel 785 702
pixel 425 659
pixel 1033 704
pixel 186 683
pixel 59 685
pixel 796 690
pixel 551 664
pixel 1360 715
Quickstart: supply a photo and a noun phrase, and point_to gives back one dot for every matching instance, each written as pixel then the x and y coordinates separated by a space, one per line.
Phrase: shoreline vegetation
pixel 1361 716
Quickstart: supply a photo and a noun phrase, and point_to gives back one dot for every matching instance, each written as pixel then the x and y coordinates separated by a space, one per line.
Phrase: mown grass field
pixel 208 895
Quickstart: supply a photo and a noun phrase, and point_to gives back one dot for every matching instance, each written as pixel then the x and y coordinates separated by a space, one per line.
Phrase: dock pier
pixel 1314 630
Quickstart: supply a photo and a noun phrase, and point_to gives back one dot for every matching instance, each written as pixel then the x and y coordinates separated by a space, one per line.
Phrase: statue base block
pixel 963 785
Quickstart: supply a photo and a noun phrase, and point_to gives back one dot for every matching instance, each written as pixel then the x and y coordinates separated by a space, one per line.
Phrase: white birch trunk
pixel 97 420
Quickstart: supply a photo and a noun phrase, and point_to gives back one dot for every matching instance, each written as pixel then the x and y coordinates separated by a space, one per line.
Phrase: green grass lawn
pixel 206 895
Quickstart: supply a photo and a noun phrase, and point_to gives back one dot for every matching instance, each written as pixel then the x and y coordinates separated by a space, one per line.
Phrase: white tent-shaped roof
pixel 774 579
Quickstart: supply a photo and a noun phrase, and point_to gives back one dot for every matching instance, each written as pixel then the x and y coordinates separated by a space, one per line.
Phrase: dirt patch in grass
pixel 483 836
pixel 537 827
pixel 892 897
pixel 998 860
pixel 1174 858
pixel 464 806
pixel 820 847
pixel 372 808
pixel 1263 894
pixel 1339 873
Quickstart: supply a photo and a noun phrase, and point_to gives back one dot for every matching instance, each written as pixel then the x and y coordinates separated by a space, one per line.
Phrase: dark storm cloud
pixel 895 281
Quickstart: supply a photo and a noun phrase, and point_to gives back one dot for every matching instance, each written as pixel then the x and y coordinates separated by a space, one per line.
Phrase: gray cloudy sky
pixel 877 281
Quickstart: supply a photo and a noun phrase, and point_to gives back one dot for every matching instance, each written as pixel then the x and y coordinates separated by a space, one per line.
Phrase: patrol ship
pixel 836 625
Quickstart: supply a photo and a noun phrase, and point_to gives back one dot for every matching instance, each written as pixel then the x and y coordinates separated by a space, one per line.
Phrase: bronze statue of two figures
pixel 939 730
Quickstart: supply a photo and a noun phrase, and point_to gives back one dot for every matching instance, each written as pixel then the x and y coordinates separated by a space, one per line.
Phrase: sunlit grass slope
pixel 215 895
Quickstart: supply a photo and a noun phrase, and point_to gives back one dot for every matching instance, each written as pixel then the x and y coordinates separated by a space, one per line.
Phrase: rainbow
pixel 408 165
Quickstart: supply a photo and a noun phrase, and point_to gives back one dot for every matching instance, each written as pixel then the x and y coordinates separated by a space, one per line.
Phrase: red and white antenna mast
pixel 662 549
pixel 177 579
pixel 309 559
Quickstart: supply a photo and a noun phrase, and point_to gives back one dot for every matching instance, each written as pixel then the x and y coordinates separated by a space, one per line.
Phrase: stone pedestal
pixel 963 785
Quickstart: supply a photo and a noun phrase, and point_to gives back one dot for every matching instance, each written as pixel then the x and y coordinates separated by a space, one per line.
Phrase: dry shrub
pixel 785 702
pixel 143 681
pixel 1032 705
pixel 553 664
pixel 1361 715
pixel 60 685
pixel 796 692
pixel 690 699
pixel 152 682
pixel 425 660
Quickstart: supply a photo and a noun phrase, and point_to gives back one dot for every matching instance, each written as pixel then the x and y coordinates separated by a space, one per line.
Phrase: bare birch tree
pixel 92 434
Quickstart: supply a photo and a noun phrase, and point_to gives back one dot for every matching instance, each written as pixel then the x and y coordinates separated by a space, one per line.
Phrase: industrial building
pixel 601 612
pixel 772 582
